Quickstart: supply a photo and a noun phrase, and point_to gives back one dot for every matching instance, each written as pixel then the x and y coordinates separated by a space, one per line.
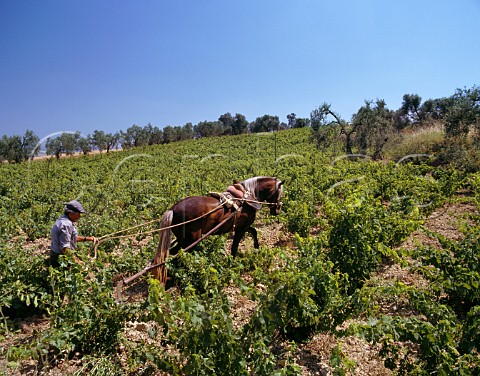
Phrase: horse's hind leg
pixel 253 231
pixel 236 241
pixel 186 241
pixel 175 248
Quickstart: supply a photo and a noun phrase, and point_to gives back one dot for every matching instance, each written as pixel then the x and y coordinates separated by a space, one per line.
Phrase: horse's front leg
pixel 238 237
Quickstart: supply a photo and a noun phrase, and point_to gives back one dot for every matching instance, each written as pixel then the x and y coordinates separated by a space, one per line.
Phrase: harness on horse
pixel 235 196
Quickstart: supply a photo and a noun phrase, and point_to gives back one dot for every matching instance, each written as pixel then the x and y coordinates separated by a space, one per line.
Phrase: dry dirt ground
pixel 312 356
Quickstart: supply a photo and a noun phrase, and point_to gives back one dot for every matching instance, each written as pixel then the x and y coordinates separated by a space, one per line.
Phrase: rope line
pixel 104 237
pixel 111 236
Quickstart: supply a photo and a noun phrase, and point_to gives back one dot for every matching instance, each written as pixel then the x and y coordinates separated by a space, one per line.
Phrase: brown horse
pixel 196 216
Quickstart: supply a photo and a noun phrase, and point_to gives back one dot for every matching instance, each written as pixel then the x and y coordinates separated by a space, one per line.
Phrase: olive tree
pixel 329 129
pixel 54 147
pixel 208 129
pixel 18 149
pixel 240 124
pixel 373 124
pixel 463 113
pixel 265 123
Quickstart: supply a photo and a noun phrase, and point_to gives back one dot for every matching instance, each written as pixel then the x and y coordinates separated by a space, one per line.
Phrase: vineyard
pixel 372 267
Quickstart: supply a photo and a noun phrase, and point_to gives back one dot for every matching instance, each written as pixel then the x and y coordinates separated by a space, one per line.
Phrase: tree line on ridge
pixel 369 128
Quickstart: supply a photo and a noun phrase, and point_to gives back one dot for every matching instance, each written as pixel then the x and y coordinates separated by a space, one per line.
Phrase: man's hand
pixel 92 239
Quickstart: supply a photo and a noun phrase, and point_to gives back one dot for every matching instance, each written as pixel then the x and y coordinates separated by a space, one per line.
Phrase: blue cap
pixel 75 206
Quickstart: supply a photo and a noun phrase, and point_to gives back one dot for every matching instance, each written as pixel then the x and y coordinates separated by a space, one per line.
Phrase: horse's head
pixel 266 189
pixel 275 196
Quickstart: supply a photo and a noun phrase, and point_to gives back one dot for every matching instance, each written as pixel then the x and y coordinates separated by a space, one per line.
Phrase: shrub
pixel 361 236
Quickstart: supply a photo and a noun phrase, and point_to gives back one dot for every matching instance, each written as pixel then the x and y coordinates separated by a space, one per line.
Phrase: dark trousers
pixel 54 259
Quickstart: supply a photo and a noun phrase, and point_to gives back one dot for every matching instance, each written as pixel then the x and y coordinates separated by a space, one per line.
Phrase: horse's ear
pixel 235 181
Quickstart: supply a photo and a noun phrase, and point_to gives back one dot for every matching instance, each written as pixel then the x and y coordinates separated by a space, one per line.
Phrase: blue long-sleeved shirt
pixel 63 235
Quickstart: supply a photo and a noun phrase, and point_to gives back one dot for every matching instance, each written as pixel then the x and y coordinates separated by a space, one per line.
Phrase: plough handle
pixel 142 272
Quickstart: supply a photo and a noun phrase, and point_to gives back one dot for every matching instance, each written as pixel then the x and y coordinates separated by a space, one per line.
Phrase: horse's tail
pixel 163 249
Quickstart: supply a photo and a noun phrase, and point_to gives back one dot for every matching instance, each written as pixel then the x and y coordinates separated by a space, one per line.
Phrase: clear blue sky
pixel 81 65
